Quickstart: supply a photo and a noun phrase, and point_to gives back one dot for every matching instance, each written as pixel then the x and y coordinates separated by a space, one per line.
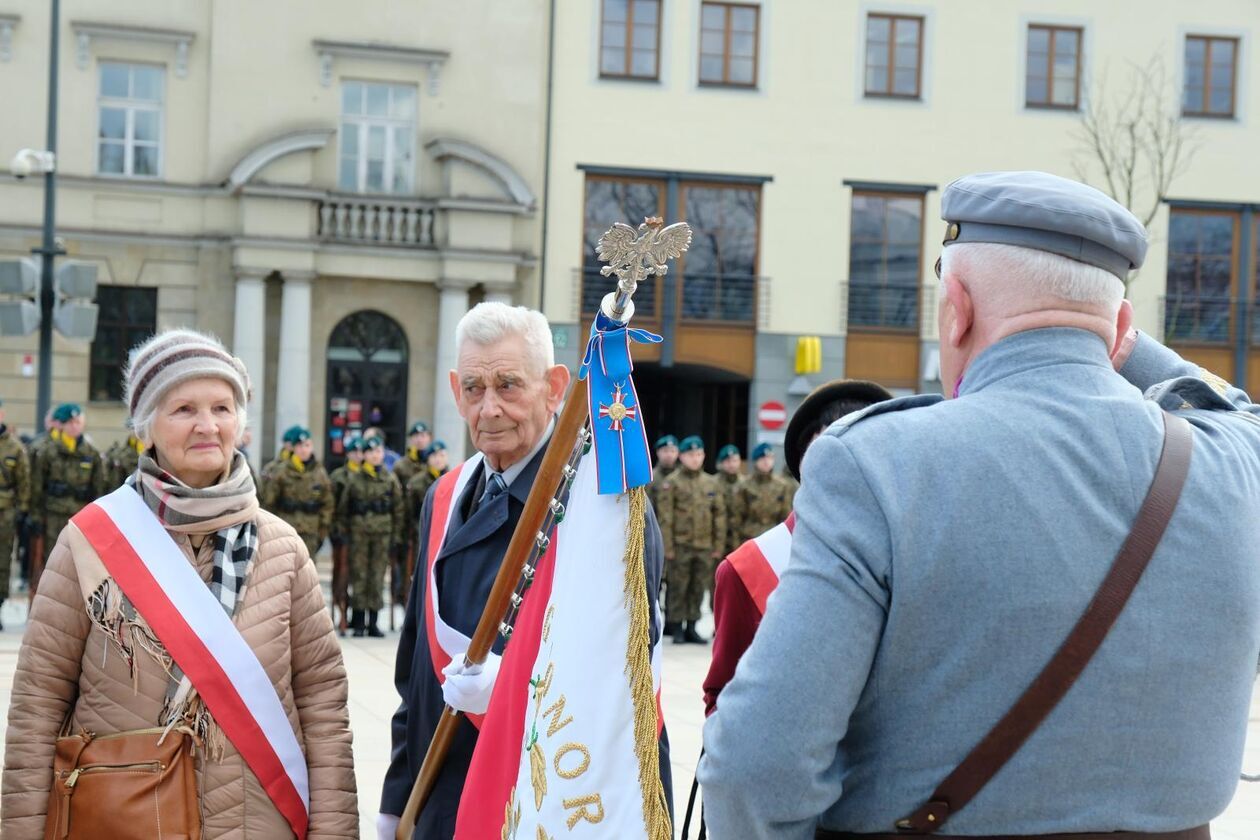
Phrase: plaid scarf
pixel 227 508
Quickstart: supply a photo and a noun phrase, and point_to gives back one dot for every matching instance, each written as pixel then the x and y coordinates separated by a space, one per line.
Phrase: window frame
pixel 1232 298
pixel 1208 40
pixel 130 106
pixel 1053 29
pixel 363 123
pixel 628 74
pixel 125 346
pixel 892 18
pixel 684 186
pixel 917 327
pixel 662 186
pixel 725 81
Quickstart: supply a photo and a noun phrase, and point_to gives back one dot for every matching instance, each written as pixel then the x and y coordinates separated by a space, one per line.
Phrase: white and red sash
pixel 162 585
pixel 445 642
pixel 760 561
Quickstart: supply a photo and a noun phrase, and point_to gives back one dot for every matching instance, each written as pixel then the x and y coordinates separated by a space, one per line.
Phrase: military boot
pixel 373 629
pixel 356 623
pixel 689 634
pixel 671 628
pixel 680 635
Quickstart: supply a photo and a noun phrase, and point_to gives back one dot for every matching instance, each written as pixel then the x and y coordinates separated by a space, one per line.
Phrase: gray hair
pixel 1032 273
pixel 490 322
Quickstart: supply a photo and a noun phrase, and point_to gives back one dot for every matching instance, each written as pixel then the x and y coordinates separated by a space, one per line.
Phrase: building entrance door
pixel 367 382
pixel 686 400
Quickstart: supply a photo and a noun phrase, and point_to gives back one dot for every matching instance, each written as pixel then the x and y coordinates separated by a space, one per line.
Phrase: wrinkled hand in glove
pixel 468 688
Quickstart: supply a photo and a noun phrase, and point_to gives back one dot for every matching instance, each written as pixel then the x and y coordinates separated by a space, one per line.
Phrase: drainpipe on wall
pixel 546 205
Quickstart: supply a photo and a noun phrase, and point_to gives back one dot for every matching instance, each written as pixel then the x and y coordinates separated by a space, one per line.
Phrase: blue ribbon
pixel 622 456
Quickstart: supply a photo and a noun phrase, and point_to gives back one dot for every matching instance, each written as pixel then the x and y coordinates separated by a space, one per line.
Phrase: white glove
pixel 386 826
pixel 468 689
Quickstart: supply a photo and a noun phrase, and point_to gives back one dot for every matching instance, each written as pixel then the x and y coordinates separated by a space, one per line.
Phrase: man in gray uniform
pixel 944 549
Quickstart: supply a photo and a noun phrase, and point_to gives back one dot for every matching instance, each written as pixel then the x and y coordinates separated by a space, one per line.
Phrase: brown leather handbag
pixel 135 785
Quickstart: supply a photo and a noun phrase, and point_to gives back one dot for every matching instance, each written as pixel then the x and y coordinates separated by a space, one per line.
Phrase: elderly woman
pixel 176 605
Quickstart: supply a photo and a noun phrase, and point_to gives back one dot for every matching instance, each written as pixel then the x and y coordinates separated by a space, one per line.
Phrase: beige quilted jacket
pixel 65 654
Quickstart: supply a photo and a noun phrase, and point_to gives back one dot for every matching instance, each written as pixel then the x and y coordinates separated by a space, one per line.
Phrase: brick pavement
pixel 370 665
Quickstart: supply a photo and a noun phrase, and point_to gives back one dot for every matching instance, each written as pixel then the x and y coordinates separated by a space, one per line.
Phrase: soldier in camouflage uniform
pixel 282 457
pixel 68 473
pixel 435 459
pixel 121 460
pixel 666 465
pixel 340 479
pixel 372 504
pixel 15 498
pixel 300 492
pixel 765 498
pixel 730 473
pixel 418 439
pixel 692 514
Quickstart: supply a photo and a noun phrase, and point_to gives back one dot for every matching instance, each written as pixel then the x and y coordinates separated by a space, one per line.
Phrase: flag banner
pixel 761 561
pixel 622 457
pixel 569 744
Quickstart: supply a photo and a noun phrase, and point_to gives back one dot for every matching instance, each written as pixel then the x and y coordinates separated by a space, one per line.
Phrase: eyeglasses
pixel 937 268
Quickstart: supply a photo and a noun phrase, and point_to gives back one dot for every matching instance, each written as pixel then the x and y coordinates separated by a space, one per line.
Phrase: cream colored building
pixel 325 188
pixel 809 142
pixel 329 192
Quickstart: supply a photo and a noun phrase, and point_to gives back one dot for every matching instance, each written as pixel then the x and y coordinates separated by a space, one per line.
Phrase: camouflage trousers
pixel 687 576
pixel 369 558
pixel 313 542
pixel 8 541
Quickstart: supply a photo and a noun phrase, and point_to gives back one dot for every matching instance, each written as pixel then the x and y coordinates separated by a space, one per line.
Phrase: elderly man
pixel 945 550
pixel 508 388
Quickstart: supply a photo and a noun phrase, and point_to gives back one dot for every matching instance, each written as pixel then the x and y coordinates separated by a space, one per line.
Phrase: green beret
pixel 436 446
pixel 666 440
pixel 372 443
pixel 354 444
pixel 296 434
pixel 761 450
pixel 417 427
pixel 67 412
pixel 691 442
pixel 727 451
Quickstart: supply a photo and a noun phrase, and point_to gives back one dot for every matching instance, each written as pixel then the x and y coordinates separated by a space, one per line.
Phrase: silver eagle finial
pixel 634 255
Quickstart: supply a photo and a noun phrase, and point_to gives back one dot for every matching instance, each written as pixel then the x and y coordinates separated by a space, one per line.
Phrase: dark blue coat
pixel 465 570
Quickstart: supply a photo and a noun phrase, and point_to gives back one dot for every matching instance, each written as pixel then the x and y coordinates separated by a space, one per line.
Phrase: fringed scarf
pixel 226 509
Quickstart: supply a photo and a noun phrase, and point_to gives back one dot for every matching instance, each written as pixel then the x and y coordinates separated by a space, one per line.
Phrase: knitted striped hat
pixel 176 356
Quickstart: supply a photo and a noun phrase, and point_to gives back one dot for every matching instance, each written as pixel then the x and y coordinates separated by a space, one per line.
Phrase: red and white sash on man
pixel 162 585
pixel 760 561
pixel 445 642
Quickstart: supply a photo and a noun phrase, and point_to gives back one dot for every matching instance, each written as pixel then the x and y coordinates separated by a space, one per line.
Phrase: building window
pixel 1053 77
pixel 894 55
pixel 728 44
pixel 719 271
pixel 127 317
pixel 1200 284
pixel 609 200
pixel 885 261
pixel 129 124
pixel 1211 67
pixel 630 39
pixel 378 138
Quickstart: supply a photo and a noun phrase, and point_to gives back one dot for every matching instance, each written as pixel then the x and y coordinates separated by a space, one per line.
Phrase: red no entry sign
pixel 772 414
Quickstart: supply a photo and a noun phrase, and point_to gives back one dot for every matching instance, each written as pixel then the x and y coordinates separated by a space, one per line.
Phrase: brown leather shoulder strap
pixel 1054 681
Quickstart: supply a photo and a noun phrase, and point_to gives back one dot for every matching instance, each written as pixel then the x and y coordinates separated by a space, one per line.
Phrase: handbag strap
pixel 1057 678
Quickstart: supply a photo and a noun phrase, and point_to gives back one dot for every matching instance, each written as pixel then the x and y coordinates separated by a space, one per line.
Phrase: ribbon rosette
pixel 622 456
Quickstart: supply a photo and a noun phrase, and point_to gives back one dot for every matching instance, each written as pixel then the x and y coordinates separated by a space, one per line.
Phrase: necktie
pixel 494 486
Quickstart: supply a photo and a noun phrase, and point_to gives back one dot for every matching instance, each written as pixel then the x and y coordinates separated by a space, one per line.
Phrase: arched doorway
pixel 688 399
pixel 367 381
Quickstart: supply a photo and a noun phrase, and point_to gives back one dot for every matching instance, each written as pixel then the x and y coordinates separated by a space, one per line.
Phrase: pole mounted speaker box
pixel 18 317
pixel 76 319
pixel 19 277
pixel 75 279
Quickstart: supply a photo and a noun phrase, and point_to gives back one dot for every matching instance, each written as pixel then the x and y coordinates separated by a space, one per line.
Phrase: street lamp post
pixel 48 250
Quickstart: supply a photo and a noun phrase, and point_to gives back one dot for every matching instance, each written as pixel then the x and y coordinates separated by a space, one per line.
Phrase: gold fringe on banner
pixel 639 669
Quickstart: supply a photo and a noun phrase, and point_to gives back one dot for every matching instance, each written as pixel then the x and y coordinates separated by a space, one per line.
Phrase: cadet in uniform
pixel 282 457
pixel 418 439
pixel 121 460
pixel 337 533
pixel 666 464
pixel 300 492
pixel 372 505
pixel 692 515
pixel 730 474
pixel 945 549
pixel 68 473
pixel 764 498
pixel 435 462
pixel 15 499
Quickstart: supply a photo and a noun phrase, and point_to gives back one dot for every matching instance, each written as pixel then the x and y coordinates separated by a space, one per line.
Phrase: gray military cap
pixel 1045 212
